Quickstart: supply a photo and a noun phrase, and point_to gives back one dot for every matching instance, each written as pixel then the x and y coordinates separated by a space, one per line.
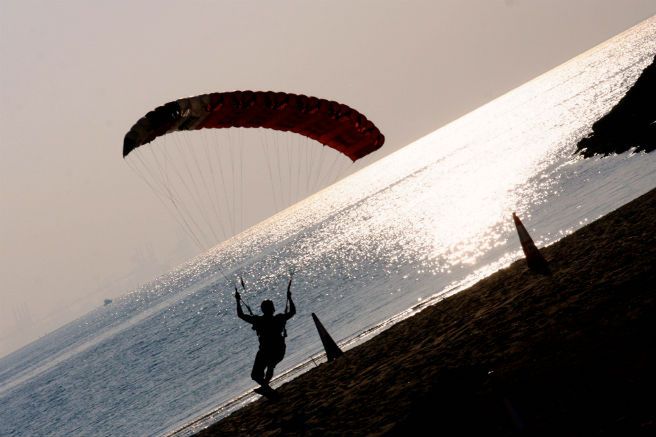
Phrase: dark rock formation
pixel 631 123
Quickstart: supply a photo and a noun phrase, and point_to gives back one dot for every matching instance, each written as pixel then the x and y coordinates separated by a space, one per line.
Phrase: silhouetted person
pixel 271 333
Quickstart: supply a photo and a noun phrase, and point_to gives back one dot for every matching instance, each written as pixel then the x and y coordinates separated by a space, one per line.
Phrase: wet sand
pixel 573 353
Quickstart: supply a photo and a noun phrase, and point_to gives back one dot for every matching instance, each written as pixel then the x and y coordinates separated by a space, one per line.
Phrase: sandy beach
pixel 572 353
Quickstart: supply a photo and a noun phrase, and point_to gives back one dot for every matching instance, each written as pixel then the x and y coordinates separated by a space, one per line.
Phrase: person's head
pixel 267 307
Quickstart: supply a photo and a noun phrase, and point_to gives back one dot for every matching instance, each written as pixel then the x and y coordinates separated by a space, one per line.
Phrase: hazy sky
pixel 78 226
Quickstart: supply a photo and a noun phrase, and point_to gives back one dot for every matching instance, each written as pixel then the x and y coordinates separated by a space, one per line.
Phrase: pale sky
pixel 78 226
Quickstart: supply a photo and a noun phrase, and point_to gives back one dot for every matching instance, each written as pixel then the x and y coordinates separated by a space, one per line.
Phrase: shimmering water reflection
pixel 422 223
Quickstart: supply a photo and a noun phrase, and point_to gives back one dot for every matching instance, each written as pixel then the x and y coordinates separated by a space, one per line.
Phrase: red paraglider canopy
pixel 330 123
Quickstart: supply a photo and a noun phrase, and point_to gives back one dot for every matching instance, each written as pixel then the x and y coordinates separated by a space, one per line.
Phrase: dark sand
pixel 573 353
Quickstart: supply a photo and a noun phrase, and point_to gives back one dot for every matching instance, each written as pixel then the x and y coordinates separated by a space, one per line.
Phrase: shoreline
pixel 199 423
pixel 516 352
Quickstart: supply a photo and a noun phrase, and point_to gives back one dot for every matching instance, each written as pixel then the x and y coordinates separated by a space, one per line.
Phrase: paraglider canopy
pixel 207 173
pixel 330 123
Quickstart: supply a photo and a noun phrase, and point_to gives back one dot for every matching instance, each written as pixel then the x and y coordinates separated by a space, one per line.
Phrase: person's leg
pixel 269 372
pixel 275 357
pixel 258 369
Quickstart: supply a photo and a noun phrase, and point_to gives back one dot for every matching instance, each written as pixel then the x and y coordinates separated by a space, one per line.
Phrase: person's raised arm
pixel 240 312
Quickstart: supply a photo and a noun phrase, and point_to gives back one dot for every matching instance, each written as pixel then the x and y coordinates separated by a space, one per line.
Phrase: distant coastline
pixel 631 124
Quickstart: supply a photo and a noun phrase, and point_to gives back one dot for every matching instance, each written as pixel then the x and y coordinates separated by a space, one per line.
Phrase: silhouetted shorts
pixel 268 358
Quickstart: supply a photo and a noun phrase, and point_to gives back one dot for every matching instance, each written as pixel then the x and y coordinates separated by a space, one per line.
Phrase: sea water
pixel 418 225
